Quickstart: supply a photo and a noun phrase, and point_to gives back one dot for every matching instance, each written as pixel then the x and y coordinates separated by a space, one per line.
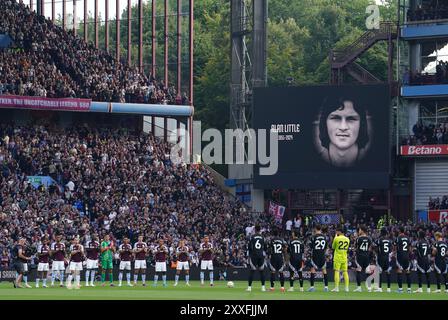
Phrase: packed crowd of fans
pixel 430 10
pixel 427 134
pixel 47 61
pixel 435 203
pixel 111 181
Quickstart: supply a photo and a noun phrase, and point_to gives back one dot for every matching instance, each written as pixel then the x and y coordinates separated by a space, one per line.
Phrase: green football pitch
pixel 196 292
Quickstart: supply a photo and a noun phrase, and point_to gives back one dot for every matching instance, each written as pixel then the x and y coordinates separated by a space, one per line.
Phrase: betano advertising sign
pixel 438 216
pixel 426 150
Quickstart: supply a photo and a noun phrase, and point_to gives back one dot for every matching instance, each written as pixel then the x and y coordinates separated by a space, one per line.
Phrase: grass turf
pixel 196 292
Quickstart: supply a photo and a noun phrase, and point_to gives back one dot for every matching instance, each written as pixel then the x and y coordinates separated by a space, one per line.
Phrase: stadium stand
pixel 427 134
pixel 425 78
pixel 110 181
pixel 47 61
pixel 430 10
pixel 435 203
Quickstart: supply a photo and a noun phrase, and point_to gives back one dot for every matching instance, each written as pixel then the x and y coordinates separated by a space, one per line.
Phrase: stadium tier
pixel 46 61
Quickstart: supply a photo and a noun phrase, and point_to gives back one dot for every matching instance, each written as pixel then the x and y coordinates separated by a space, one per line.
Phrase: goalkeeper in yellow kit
pixel 340 262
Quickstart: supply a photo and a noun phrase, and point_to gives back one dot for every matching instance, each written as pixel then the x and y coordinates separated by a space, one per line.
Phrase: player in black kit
pixel 403 248
pixel 257 252
pixel 318 245
pixel 276 261
pixel 439 252
pixel 296 249
pixel 384 247
pixel 422 250
pixel 362 256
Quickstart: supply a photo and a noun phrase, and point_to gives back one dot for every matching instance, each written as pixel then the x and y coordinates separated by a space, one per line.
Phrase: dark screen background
pixel 300 166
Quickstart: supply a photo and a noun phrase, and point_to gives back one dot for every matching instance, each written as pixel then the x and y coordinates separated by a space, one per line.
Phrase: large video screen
pixel 328 136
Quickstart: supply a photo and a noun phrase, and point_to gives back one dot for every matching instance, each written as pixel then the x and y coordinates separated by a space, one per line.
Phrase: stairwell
pixel 342 61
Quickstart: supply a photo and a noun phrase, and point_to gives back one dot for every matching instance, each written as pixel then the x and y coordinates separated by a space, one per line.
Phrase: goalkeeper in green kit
pixel 107 250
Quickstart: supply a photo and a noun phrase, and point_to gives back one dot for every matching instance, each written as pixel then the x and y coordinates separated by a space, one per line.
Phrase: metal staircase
pixel 342 61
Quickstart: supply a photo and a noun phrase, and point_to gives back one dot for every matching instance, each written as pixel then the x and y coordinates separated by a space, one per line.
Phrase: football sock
pixel 346 279
pixel 164 279
pixel 69 279
pixel 211 277
pixel 144 277
pixel 336 279
pixel 92 275
pixel 103 276
pixel 78 279
pixel 25 279
pixel 156 278
pixel 87 276
pixel 187 278
pixel 37 281
pixel 326 279
pixel 272 279
pixel 111 276
pixel 380 284
pixel 120 277
pixel 135 277
pixel 400 280
pixel 62 276
pixel 358 278
pixel 291 281
pixel 225 275
pixel 282 279
pixel 128 277
pixel 262 278
pixel 176 278
pixel 439 280
pixel 202 276
pixel 445 277
pixel 301 279
pixel 408 279
pixel 312 279
pixel 428 280
pixel 44 281
pixel 251 277
pixel 53 277
pixel 419 275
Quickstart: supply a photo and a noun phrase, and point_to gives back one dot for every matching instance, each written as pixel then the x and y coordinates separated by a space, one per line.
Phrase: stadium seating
pixel 431 10
pixel 111 181
pixel 435 203
pixel 47 61
pixel 428 134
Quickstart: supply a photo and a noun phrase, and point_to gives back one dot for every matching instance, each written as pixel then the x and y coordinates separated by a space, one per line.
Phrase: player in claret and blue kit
pixel 160 255
pixel 125 252
pixel 206 253
pixel 92 249
pixel 183 262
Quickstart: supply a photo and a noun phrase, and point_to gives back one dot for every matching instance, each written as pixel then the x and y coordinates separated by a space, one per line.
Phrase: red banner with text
pixel 426 150
pixel 438 216
pixel 40 103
